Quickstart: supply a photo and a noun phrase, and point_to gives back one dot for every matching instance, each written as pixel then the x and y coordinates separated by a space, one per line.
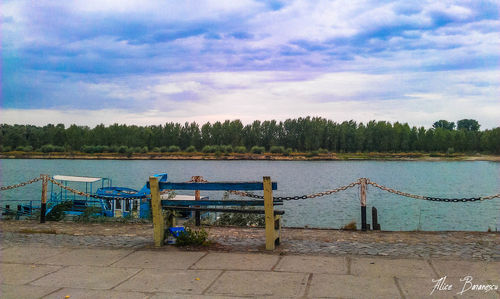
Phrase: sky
pixel 151 62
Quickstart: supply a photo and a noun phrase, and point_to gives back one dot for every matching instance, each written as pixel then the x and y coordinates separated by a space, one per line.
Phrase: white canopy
pixel 83 179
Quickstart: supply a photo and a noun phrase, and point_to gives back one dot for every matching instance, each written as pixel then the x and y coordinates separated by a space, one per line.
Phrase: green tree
pixel 468 125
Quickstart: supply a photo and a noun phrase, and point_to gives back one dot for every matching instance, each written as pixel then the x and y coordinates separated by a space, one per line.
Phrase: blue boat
pixel 138 206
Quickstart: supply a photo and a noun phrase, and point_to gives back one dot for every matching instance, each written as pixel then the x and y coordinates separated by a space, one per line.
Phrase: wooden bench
pixel 272 217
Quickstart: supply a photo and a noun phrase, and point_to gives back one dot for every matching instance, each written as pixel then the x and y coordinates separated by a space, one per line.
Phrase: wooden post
pixel 363 204
pixel 43 205
pixel 156 209
pixel 269 214
pixel 197 215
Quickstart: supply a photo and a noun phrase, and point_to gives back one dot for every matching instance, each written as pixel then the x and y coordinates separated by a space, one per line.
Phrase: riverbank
pixel 418 244
pixel 249 156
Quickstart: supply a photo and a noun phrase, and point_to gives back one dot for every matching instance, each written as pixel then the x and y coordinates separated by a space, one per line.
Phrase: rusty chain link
pixel 390 190
pixel 21 184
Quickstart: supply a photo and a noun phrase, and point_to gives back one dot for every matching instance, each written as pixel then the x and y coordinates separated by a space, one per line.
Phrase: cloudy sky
pixel 139 62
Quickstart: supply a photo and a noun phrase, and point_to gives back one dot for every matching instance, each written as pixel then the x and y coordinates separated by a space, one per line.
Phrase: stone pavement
pixel 44 271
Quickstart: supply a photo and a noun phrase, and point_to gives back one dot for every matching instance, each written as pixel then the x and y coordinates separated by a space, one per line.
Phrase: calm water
pixel 439 179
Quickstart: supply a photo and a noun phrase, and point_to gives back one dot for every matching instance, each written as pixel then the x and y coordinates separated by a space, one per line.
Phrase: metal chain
pixel 21 184
pixel 314 195
pixel 92 195
pixel 390 190
pixel 440 199
pixel 490 197
pixel 251 195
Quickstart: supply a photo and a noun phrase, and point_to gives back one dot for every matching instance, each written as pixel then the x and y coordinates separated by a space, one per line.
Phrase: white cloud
pixel 264 95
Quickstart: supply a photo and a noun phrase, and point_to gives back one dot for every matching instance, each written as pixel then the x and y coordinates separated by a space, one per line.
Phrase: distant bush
pixel 163 149
pixel 277 149
pixel 113 149
pixel 136 149
pixel 257 149
pixel 210 149
pixel 191 149
pixel 323 151
pixel 240 149
pixel 123 149
pixel 99 149
pixel 144 150
pixel 92 149
pixel 227 149
pixel 312 154
pixel 27 148
pixel 155 150
pixel 288 151
pixel 47 148
pixel 173 149
pixel 5 148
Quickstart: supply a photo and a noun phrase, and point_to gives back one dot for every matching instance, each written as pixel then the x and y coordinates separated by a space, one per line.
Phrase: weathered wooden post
pixel 43 205
pixel 156 209
pixel 363 203
pixel 269 214
pixel 197 215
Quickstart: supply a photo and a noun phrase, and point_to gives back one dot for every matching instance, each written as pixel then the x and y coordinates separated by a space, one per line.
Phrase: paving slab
pixel 177 296
pixel 312 264
pixel 24 291
pixel 17 274
pixel 259 284
pixel 159 259
pixel 237 261
pixel 349 286
pixel 448 288
pixel 95 294
pixel 391 267
pixel 86 277
pixel 87 257
pixel 170 281
pixel 484 270
pixel 29 254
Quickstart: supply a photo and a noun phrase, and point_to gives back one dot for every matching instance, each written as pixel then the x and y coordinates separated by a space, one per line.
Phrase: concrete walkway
pixel 59 272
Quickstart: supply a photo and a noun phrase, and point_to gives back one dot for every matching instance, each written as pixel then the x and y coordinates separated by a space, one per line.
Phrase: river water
pixel 435 179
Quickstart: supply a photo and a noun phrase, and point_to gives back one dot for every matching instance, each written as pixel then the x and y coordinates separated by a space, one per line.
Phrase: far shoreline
pixel 255 157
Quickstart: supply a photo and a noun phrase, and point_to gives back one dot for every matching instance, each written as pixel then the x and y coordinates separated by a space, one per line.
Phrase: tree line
pixel 304 134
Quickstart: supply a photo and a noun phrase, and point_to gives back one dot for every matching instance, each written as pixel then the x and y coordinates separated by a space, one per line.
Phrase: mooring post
pixel 156 209
pixel 43 204
pixel 197 215
pixel 363 203
pixel 375 224
pixel 269 214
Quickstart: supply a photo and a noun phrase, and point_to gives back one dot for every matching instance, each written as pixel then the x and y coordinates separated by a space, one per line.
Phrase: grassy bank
pixel 296 156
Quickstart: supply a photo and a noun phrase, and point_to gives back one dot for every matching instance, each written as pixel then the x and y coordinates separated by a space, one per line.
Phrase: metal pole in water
pixel 363 204
pixel 375 224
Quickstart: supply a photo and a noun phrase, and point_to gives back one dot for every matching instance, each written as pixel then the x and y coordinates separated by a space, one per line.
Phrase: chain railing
pixel 297 197
pixel 251 195
pixel 429 198
pixel 21 184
